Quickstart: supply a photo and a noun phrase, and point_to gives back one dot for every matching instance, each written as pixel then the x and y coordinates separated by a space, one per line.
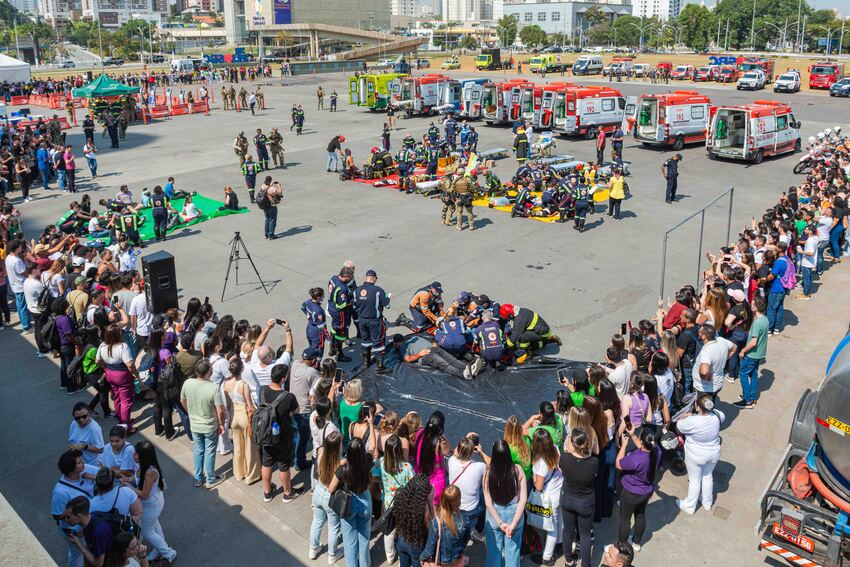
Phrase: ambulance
pixel 584 110
pixel 496 100
pixel 545 107
pixel 824 74
pixel 374 91
pixel 418 95
pixel 524 100
pixel 471 95
pixel 674 119
pixel 450 97
pixel 752 131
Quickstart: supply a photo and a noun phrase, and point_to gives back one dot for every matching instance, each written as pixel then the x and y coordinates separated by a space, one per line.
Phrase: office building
pixel 26 6
pixel 662 9
pixel 115 13
pixel 564 17
pixel 408 8
pixel 463 10
pixel 58 12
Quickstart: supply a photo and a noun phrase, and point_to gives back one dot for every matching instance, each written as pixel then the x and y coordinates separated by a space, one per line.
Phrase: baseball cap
pixel 79 261
pixel 737 295
pixel 80 280
pixel 310 353
pixel 437 286
pixel 371 273
pixel 483 299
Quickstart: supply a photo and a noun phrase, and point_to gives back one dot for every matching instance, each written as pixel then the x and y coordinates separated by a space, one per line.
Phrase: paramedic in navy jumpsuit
pixel 369 303
pixel 312 308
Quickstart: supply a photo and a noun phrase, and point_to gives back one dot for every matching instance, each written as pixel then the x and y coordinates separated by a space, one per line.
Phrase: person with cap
pixel 477 308
pixel 240 146
pixel 427 352
pixel 433 134
pixel 471 141
pixel 462 307
pixel 369 303
pixel 670 171
pixel 529 331
pixel 312 308
pixel 78 298
pixel 426 307
pixel 446 187
pixel 489 339
pixel 406 159
pixel 453 336
pixel 276 146
pixel 303 376
pixel 463 199
pixel 250 169
pixel 521 147
pixel 616 193
pixel 339 308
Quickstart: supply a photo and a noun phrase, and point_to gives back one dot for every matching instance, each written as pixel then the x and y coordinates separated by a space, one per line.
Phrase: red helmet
pixel 506 311
pixel 579 167
pixel 374 149
pixel 341 138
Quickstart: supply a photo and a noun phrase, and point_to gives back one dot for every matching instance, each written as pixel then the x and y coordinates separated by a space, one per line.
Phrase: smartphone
pixel 280 321
pixel 376 421
pixel 207 300
pixel 338 375
pixel 628 421
pixel 563 378
pixel 475 439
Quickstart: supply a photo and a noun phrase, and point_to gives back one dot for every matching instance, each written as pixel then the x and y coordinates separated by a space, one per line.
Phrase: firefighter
pixel 128 224
pixel 299 120
pixel 581 197
pixel 492 183
pixel 446 187
pixel 406 162
pixel 369 302
pixel 250 169
pixel 529 332
pixel 425 307
pixel 339 311
pixel 432 157
pixel 276 146
pixel 433 134
pixel 243 98
pixel 489 339
pixel 88 128
pixel 260 142
pixel 240 147
pixel 116 107
pixel 521 146
pixel 566 202
pixel 450 126
pixel 523 200
pixel 463 199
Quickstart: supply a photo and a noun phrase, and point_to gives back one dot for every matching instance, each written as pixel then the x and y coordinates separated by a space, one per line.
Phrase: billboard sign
pixel 282 11
pixel 723 60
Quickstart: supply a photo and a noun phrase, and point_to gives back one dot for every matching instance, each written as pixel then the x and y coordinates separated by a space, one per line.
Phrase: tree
pixel 468 42
pixel 596 16
pixel 625 33
pixel 698 26
pixel 532 36
pixel 599 34
pixel 507 30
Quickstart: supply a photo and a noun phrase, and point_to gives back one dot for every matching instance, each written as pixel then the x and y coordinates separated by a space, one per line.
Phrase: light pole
pixel 829 32
pixel 642 29
pixel 141 46
pixel 753 28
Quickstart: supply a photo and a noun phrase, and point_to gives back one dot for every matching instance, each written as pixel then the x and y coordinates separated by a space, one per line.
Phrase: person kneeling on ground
pixel 416 349
pixel 231 200
pixel 529 332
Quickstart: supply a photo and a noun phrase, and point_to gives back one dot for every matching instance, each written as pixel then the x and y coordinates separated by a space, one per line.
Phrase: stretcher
pixel 567 165
pixel 556 159
pixel 495 153
pixel 607 166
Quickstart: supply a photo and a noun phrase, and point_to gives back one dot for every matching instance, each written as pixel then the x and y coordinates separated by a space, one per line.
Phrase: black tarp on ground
pixel 481 405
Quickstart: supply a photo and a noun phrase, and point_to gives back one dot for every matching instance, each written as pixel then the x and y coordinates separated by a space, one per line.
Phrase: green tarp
pixel 209 209
pixel 103 86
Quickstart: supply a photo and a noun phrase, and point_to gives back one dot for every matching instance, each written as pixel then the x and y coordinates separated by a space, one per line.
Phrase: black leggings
pixel 578 516
pixel 102 396
pixel 632 504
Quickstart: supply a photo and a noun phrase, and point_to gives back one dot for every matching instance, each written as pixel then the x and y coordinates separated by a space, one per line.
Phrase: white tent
pixel 13 70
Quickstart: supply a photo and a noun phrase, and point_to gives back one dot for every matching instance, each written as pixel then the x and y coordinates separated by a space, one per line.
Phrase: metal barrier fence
pixel 701 214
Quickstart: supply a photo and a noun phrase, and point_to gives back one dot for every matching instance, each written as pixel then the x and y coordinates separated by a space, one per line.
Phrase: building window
pixel 541 16
pixel 528 16
pixel 556 16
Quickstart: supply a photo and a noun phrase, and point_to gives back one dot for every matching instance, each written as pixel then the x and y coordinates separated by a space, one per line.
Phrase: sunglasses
pixel 81 417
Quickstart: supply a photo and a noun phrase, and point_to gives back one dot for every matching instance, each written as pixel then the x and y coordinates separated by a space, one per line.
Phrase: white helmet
pixel 837 129
pixel 820 135
pixel 812 140
pixel 827 132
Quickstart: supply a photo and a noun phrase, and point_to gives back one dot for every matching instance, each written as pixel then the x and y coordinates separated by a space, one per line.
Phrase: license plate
pixel 800 541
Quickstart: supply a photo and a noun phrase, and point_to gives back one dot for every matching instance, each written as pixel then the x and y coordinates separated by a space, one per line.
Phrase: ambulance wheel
pixel 712 155
pixel 679 143
pixel 759 157
pixel 646 144
pixel 590 134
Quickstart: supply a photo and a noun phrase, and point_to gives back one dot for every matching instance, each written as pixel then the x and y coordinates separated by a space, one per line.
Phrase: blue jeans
pixel 688 379
pixel 408 556
pixel 807 280
pixel 821 247
pixel 204 445
pixel 333 158
pixel 322 514
pixel 355 530
pixel 775 310
pixel 834 237
pixel 271 221
pixel 92 166
pixel 23 312
pixel 473 519
pixel 750 379
pixel 497 540
pixel 303 440
pixel 60 178
pixel 45 177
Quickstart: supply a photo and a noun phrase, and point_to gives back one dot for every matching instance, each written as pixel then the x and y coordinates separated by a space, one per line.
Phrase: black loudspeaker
pixel 160 281
pixel 89 76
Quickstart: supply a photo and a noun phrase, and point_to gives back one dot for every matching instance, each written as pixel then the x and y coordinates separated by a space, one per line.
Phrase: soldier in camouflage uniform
pixel 240 147
pixel 225 98
pixel 447 197
pixel 276 148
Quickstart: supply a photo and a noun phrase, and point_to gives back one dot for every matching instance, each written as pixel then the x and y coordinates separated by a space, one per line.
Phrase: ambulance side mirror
pixel 797 125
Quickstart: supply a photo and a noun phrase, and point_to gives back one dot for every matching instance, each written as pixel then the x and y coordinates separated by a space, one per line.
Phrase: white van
pixel 588 65
pixel 186 65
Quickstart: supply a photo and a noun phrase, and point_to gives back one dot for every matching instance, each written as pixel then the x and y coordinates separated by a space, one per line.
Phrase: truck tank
pixel 832 415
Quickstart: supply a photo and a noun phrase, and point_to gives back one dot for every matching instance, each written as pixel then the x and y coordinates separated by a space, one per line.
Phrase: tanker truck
pixel 805 508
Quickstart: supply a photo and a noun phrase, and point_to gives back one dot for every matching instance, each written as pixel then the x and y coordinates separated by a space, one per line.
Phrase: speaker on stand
pixel 160 281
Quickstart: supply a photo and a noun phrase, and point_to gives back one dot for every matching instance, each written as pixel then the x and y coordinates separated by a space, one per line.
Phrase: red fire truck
pixel 824 74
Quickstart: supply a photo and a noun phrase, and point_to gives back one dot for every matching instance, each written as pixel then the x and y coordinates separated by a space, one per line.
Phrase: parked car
pixel 116 61
pixel 727 74
pixel 452 63
pixel 158 58
pixel 383 64
pixel 67 64
pixel 752 80
pixel 641 69
pixel 421 63
pixel 682 73
pixel 788 82
pixel 707 73
pixel 840 87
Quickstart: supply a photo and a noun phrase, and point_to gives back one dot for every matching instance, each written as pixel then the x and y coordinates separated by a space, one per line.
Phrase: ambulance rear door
pixel 629 115
pixel 352 90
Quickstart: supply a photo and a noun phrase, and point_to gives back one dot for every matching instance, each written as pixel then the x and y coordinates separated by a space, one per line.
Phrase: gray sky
pixel 841 5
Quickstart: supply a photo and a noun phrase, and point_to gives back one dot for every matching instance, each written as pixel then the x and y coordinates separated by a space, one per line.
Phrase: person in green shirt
pixel 752 356
pixel 203 402
pixel 519 444
pixel 93 373
pixel 549 420
pixel 349 407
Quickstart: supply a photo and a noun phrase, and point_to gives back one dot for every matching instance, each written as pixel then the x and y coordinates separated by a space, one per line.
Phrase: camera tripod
pixel 235 245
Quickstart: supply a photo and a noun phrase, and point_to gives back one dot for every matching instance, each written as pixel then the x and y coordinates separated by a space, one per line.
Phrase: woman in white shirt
pixel 466 474
pixel 113 355
pixel 190 212
pixel 547 479
pixel 53 279
pixel 150 491
pixel 702 451
pixel 120 456
pixel 128 551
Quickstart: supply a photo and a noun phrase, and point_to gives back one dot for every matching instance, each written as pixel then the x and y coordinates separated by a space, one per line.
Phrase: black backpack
pixel 262 199
pixel 170 380
pixel 50 334
pixel 261 422
pixel 117 521
pixel 45 299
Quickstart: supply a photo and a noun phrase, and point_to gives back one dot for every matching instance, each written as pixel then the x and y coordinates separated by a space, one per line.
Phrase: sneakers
pixel 199 483
pixel 467 372
pixel 173 436
pixel 314 553
pixel 478 536
pixel 287 498
pixel 216 481
pixel 731 379
pixel 556 339
pixel 741 404
pixel 681 506
pixel 267 496
pixel 522 358
pixel 478 365
pixel 635 546
pixel 538 559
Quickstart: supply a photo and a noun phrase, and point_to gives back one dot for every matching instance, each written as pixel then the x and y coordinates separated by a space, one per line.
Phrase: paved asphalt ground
pixel 585 285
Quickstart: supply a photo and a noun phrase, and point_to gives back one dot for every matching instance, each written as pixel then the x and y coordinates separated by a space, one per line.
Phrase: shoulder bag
pixel 340 501
pixel 539 511
pixel 436 560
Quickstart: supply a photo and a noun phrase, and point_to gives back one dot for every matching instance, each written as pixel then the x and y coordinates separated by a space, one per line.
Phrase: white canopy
pixel 13 70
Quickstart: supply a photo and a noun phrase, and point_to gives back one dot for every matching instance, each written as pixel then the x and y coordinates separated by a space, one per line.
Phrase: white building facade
pixel 662 9
pixel 408 8
pixel 568 18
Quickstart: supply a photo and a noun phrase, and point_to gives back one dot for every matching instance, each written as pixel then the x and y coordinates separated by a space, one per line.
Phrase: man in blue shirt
pixel 43 159
pixel 779 278
pixel 169 188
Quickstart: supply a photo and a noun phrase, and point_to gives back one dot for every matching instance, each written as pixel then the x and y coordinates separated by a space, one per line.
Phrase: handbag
pixel 539 512
pixel 436 562
pixel 340 502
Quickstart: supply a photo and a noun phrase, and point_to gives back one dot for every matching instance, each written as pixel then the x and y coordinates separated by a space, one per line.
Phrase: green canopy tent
pixel 104 86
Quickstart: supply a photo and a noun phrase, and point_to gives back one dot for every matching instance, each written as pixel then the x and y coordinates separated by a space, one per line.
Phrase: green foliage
pixel 596 16
pixel 506 27
pixel 468 42
pixel 532 36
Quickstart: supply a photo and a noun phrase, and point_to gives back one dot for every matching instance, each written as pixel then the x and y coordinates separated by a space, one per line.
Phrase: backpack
pixel 261 422
pixel 75 371
pixel 170 380
pixel 262 199
pixel 50 334
pixel 117 521
pixel 44 300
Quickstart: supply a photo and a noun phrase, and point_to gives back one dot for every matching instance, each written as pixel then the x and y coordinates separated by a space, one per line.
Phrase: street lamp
pixel 829 32
pixel 642 29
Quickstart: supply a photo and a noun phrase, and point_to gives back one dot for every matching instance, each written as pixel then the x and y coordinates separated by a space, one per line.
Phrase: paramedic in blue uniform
pixel 451 335
pixel 369 302
pixel 450 126
pixel 670 171
pixel 316 331
pixel 489 339
pixel 472 140
pixel 433 134
pixel 617 141
pixel 339 311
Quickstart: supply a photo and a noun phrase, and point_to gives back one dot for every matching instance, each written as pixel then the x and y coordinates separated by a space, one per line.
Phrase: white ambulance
pixel 670 119
pixel 752 131
pixel 584 110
